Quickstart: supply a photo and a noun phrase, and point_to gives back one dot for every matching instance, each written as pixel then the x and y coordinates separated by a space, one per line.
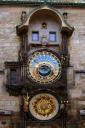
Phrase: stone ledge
pixel 33 4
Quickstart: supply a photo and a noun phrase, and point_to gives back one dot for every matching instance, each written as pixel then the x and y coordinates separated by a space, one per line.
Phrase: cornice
pixel 35 4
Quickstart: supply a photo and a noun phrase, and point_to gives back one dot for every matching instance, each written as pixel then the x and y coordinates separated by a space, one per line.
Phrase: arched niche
pixel 64 27
pixel 46 23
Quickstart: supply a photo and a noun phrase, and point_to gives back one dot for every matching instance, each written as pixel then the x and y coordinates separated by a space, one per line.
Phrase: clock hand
pixel 36 61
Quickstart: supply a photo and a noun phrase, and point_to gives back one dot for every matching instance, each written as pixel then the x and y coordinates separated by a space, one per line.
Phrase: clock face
pixel 44 67
pixel 44 106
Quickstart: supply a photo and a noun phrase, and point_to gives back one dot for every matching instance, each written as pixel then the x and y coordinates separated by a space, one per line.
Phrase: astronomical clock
pixel 42 66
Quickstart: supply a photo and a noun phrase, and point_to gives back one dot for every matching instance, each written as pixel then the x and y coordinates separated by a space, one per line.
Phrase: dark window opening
pixel 13 76
pixel 52 36
pixel 35 36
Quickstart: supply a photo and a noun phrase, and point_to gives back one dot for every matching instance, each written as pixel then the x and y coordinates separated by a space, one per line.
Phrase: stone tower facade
pixel 15 19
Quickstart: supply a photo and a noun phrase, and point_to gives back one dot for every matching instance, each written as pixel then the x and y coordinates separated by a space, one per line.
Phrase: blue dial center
pixel 44 70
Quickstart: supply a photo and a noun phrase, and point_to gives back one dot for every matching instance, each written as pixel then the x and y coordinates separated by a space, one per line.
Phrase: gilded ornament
pixel 44 106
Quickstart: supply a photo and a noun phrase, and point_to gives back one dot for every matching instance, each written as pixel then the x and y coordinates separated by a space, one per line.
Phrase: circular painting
pixel 44 106
pixel 44 67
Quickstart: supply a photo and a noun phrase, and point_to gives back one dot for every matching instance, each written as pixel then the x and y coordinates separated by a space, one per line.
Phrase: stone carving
pixel 23 16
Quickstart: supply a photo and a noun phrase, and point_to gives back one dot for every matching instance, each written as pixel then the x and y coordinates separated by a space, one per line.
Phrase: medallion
pixel 44 106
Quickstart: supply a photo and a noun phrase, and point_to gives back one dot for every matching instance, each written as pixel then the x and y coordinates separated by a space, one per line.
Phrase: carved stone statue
pixel 23 16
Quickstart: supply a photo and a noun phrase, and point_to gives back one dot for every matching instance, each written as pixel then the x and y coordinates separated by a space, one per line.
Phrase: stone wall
pixel 10 43
pixel 76 45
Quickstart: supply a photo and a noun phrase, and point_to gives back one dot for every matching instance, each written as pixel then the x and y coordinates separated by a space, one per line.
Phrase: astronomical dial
pixel 44 67
pixel 44 106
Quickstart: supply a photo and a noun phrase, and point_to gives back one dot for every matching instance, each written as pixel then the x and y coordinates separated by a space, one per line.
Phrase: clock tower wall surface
pixel 12 51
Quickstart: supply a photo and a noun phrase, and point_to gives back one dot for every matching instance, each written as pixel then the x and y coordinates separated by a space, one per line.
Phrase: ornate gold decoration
pixel 44 106
pixel 26 103
pixel 44 67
